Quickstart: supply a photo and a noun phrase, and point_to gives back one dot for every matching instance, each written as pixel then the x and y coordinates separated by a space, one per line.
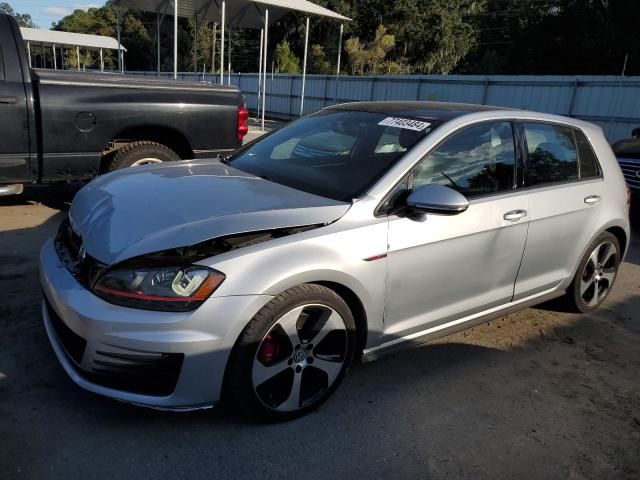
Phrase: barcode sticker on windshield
pixel 407 123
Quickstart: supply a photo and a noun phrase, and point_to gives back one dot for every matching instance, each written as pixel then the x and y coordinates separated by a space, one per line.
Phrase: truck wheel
pixel 141 153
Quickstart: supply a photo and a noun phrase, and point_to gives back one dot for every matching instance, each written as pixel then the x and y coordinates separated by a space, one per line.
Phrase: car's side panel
pixel 560 224
pixel 352 257
pixel 81 118
pixel 444 267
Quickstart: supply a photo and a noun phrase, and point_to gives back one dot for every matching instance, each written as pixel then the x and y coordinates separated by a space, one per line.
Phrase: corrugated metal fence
pixel 611 102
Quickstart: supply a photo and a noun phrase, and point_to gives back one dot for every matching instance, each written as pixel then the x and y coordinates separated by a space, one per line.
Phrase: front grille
pixel 72 343
pixel 148 373
pixel 630 169
pixel 82 266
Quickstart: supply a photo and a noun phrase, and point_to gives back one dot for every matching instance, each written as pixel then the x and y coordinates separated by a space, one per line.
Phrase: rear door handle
pixel 592 199
pixel 9 100
pixel 515 215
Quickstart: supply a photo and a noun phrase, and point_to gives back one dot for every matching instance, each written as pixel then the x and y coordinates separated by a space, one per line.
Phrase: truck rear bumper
pixel 15 189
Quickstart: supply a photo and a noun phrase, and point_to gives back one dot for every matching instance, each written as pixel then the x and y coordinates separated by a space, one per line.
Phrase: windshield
pixel 337 154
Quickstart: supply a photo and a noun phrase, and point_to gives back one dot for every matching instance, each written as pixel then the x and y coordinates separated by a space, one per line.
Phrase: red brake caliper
pixel 269 350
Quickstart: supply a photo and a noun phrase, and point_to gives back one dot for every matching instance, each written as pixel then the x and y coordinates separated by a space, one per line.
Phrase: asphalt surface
pixel 539 394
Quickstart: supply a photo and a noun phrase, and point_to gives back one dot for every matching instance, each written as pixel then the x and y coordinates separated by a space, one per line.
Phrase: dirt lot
pixel 538 394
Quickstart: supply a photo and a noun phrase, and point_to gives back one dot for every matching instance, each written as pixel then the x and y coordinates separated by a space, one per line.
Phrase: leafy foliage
pixel 286 61
pixel 318 60
pixel 23 19
pixel 429 36
pixel 369 59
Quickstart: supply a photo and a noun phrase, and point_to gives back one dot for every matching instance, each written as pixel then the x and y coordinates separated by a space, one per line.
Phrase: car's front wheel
pixel 596 274
pixel 292 355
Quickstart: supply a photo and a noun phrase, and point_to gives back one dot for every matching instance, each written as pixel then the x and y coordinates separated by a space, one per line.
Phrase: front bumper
pixel 186 353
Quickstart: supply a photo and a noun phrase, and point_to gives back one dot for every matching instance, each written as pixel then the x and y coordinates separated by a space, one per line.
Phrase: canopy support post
pixel 213 47
pixel 78 56
pixel 101 61
pixel 120 66
pixel 55 60
pixel 175 39
pixel 29 52
pixel 338 62
pixel 195 48
pixel 304 65
pixel 224 6
pixel 260 70
pixel 229 59
pixel 264 64
pixel 158 43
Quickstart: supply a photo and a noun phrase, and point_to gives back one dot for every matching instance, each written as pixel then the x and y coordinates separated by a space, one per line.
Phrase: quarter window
pixel 480 160
pixel 588 162
pixel 552 155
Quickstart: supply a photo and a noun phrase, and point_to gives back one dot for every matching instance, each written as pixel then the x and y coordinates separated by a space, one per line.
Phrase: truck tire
pixel 140 153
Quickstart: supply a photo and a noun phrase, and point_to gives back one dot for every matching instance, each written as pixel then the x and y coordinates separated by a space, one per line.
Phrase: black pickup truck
pixel 61 125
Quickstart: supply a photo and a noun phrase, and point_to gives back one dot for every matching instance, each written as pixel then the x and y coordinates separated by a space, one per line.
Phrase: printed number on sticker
pixel 407 123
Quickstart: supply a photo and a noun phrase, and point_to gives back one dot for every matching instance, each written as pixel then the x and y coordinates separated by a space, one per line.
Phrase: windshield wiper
pixel 224 159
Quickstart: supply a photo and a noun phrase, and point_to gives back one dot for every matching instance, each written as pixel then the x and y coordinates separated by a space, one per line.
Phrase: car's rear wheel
pixel 141 153
pixel 292 355
pixel 596 274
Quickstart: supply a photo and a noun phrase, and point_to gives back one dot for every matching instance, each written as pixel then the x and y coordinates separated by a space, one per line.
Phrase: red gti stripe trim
pixel 139 296
pixel 375 257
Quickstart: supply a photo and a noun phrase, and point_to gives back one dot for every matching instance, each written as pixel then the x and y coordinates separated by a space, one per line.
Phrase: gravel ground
pixel 538 394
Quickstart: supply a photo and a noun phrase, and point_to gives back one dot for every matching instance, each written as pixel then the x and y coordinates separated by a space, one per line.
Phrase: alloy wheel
pixel 300 357
pixel 599 273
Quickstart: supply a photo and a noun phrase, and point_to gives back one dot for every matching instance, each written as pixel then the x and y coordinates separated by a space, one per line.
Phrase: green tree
pixel 318 60
pixel 286 61
pixel 23 19
pixel 371 58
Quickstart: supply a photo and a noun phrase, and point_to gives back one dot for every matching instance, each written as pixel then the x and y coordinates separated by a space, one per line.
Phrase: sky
pixel 43 12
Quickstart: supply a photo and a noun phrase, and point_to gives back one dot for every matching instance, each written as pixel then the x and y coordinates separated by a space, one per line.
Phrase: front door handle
pixel 515 215
pixel 592 199
pixel 9 100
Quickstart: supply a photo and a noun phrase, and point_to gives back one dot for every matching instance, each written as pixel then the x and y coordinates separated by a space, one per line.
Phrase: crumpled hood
pixel 152 208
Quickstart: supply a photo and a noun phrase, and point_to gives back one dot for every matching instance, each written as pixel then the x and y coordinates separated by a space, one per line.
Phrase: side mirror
pixel 437 199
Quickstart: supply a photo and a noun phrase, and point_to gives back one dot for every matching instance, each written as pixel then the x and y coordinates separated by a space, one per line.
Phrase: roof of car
pixel 442 111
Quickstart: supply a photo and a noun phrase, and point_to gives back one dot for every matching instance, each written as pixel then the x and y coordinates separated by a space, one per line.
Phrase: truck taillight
pixel 243 128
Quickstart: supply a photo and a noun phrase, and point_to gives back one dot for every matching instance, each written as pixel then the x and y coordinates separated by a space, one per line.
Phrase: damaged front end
pixel 169 280
pixel 219 245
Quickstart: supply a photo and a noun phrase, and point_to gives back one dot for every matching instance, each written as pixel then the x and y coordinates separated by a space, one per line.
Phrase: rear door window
pixel 588 163
pixel 551 154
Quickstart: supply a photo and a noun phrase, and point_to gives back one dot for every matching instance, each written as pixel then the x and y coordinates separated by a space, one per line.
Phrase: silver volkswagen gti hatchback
pixel 261 277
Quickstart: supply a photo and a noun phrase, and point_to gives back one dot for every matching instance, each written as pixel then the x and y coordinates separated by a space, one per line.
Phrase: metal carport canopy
pixel 255 14
pixel 56 38
pixel 68 39
pixel 239 13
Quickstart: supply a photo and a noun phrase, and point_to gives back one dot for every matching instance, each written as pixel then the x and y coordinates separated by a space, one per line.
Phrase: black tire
pixel 239 391
pixel 575 299
pixel 135 151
